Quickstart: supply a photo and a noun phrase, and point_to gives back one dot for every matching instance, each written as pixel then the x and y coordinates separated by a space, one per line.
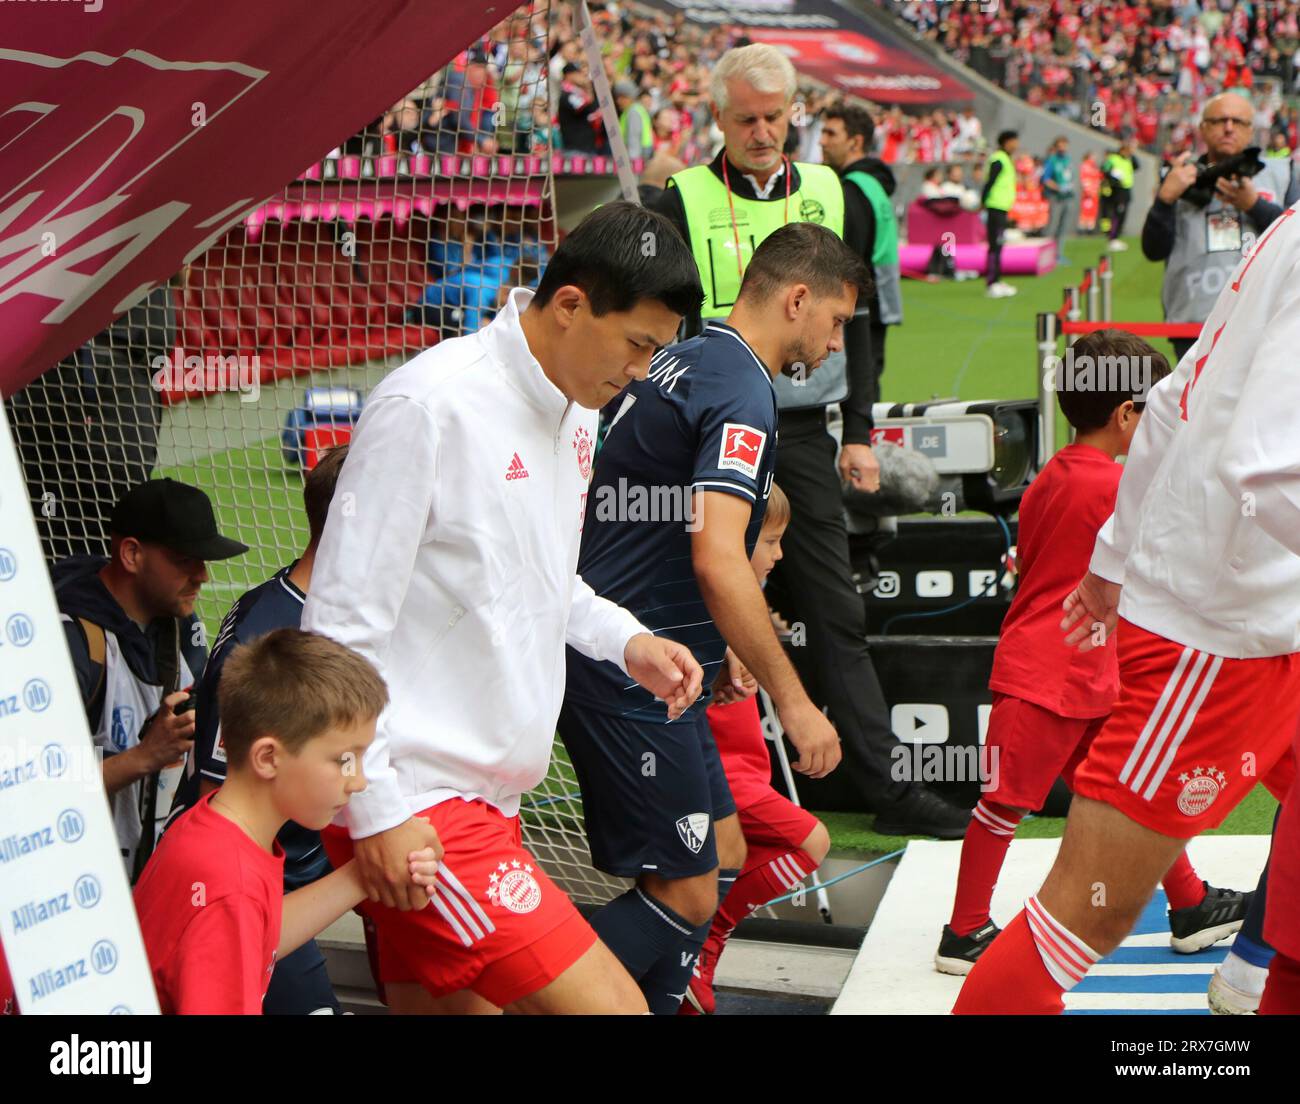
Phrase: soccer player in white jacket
pixel 449 560
pixel 1196 579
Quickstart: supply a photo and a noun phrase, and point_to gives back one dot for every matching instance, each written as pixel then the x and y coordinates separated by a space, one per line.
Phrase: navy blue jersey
pixel 275 604
pixel 704 420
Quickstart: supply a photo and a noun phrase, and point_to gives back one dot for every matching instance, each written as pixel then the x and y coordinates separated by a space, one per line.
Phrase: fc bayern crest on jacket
pixel 582 446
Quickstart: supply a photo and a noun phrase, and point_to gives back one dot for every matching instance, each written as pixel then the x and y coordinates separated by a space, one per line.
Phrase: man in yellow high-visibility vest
pixel 998 199
pixel 1117 173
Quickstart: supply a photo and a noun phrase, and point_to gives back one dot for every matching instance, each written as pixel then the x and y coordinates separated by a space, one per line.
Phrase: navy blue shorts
pixel 651 792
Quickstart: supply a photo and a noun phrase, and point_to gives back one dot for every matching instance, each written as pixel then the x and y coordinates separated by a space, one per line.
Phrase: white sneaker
pixel 1010 289
pixel 1118 246
pixel 998 291
pixel 1228 1000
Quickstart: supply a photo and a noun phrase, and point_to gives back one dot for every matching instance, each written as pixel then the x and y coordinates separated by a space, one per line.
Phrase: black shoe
pixel 957 953
pixel 1218 916
pixel 920 812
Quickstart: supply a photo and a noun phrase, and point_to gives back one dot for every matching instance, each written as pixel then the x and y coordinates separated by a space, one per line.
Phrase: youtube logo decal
pixel 919 722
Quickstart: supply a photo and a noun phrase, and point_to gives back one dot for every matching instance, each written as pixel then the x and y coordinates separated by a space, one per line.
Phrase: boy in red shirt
pixel 297 714
pixel 1049 700
pixel 785 842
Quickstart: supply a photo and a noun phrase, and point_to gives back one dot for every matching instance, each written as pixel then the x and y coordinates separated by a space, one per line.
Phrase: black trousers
pixel 1115 208
pixel 996 226
pixel 878 333
pixel 812 587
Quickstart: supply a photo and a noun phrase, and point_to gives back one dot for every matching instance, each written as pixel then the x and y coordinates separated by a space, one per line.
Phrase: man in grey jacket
pixel 1201 243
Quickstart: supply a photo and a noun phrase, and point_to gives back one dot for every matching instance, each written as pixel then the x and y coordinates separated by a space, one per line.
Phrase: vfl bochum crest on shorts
pixel 694 830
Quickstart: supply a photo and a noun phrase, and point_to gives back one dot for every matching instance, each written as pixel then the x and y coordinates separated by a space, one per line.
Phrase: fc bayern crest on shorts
pixel 1200 789
pixel 694 830
pixel 582 446
pixel 513 887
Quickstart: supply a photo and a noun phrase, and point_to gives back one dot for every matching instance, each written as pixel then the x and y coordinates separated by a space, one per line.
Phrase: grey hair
pixel 763 67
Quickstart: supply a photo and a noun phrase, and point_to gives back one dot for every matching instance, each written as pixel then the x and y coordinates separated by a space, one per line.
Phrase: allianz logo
pixel 35 697
pixel 86 893
pixel 69 827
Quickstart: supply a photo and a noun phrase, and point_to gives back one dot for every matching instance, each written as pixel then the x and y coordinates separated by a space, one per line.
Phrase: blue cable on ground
pixel 838 878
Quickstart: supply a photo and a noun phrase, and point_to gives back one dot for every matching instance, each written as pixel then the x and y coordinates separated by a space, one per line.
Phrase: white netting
pixel 239 372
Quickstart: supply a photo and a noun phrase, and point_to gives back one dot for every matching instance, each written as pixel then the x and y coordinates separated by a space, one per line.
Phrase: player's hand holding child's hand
pixel 1091 612
pixel 385 863
pixel 665 668
pixel 734 682
pixel 423 865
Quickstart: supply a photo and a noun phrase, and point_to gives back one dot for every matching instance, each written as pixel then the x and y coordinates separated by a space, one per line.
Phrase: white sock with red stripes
pixel 1065 956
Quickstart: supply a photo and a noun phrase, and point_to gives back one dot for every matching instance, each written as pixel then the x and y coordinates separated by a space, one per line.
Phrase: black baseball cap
pixel 175 515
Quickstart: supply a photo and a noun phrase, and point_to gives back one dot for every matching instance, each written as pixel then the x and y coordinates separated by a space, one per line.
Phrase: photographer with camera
pixel 137 646
pixel 1208 212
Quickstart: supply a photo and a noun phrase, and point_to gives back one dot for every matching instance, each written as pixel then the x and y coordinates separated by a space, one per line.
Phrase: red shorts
pixel 1028 747
pixel 1191 733
pixel 775 821
pixel 738 732
pixel 767 818
pixel 498 926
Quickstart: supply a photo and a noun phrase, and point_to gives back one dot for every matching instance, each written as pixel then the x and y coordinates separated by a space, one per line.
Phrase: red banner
pixel 864 67
pixel 135 135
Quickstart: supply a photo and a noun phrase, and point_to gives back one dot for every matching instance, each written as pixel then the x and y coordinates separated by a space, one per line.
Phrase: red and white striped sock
pixel 988 835
pixel 1028 968
pixel 1066 957
pixel 770 872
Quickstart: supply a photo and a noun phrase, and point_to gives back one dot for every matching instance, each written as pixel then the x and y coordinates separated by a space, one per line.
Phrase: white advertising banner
pixel 66 918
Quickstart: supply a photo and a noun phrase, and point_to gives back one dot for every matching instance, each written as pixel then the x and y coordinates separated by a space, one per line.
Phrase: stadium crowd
pixel 1146 65
pixel 525 87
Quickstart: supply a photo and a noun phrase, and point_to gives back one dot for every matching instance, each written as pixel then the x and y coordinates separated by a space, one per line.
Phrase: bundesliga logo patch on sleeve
pixel 741 448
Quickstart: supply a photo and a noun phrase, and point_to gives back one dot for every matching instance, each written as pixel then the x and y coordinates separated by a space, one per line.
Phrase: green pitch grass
pixel 953 343
pixel 956 343
pixel 853 836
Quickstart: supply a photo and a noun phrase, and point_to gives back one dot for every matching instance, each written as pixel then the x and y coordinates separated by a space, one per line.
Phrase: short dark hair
pixel 804 253
pixel 1121 367
pixel 857 121
pixel 318 489
pixel 619 255
pixel 1005 136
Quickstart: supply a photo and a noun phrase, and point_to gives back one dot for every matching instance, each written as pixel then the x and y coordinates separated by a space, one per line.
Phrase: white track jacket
pixel 449 560
pixel 1205 536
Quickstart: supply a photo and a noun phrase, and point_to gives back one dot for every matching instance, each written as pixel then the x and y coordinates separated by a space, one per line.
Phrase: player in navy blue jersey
pixel 300 984
pixel 672 516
